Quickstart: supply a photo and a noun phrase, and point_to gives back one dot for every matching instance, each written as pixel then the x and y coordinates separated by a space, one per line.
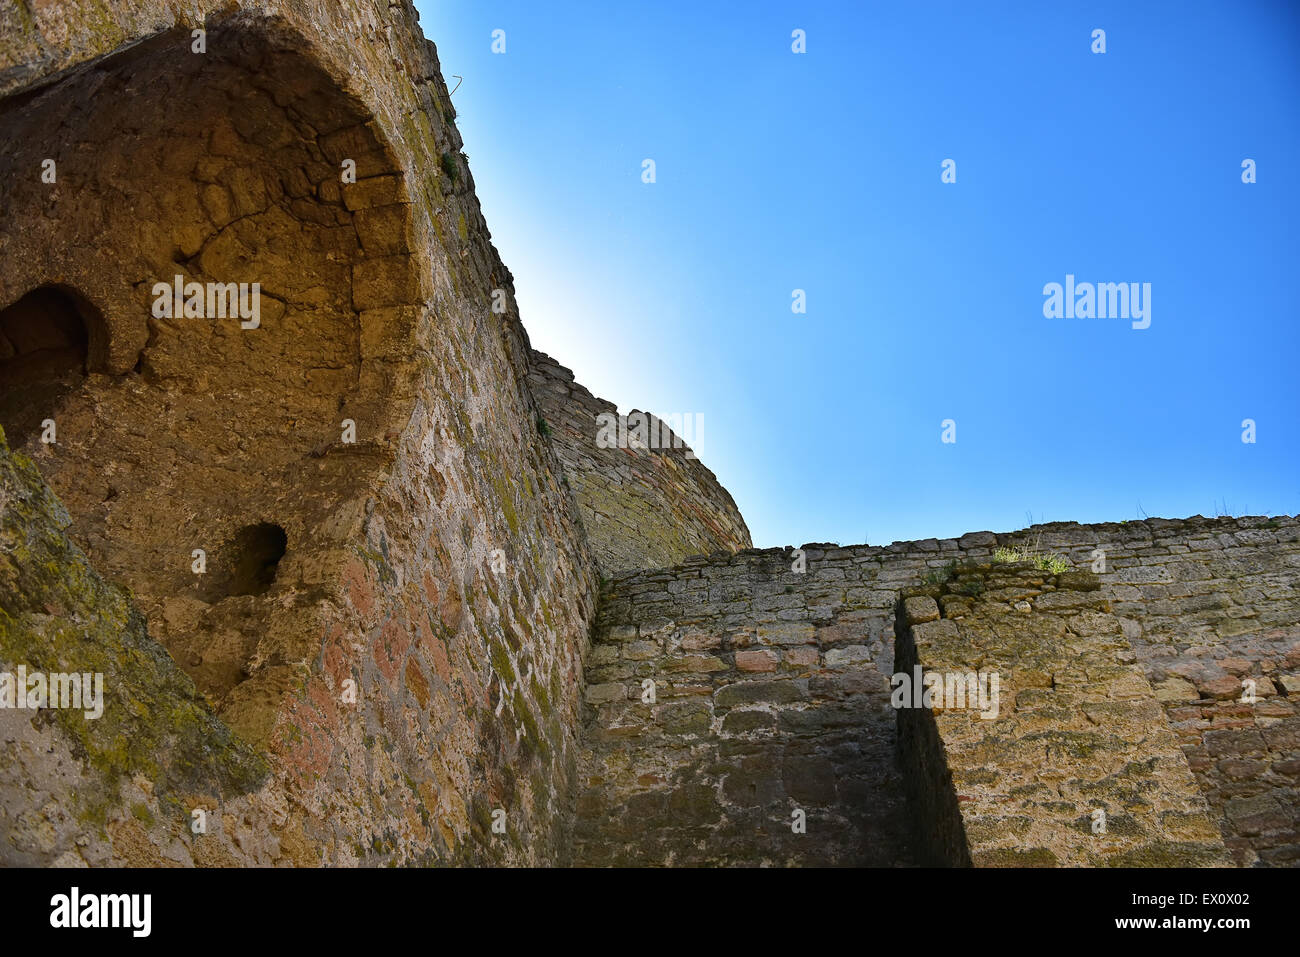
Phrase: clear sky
pixel 821 171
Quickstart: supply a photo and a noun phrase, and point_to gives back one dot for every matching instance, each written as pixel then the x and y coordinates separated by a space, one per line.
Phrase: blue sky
pixel 821 171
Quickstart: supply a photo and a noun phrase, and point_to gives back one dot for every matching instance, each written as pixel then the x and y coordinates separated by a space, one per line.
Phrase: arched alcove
pixel 218 174
pixel 45 352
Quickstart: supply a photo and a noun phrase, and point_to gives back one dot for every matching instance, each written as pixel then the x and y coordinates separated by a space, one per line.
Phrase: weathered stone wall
pixel 1216 588
pixel 786 662
pixel 1207 605
pixel 1055 749
pixel 134 773
pixel 642 507
pixel 388 645
pixel 413 661
pixel 769 699
pixel 197 417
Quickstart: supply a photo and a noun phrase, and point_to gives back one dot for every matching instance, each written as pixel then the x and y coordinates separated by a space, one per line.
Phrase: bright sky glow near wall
pixel 821 171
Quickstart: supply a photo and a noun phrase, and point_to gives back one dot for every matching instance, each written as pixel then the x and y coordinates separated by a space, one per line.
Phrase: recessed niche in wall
pixel 46 349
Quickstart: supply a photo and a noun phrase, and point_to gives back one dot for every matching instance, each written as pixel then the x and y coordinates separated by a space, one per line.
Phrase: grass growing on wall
pixel 1049 563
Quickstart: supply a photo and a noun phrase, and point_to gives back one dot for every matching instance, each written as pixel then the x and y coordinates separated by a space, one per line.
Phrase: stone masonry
pixel 642 508
pixel 1070 760
pixel 769 698
pixel 365 588
pixel 398 590
pixel 773 695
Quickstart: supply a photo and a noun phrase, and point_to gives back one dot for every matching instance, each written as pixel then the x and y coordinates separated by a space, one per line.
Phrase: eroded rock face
pixel 251 294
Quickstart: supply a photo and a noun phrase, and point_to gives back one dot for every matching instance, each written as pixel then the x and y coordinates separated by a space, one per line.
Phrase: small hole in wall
pixel 256 556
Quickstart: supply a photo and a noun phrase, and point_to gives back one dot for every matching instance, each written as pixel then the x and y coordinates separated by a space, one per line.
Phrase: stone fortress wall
pixel 395 623
pixel 1071 761
pixel 642 508
pixel 429 640
pixel 773 695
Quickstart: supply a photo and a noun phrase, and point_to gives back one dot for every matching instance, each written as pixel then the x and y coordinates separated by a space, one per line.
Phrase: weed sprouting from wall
pixel 1048 563
pixel 448 164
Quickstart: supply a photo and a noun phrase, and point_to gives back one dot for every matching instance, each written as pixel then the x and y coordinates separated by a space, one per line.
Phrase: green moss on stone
pixel 504 497
pixel 501 663
pixel 58 615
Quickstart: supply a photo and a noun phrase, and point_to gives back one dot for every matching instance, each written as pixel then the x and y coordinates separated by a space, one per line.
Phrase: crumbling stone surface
pixel 195 417
pixel 138 770
pixel 1214 628
pixel 363 539
pixel 641 507
pixel 412 662
pixel 770 702
pixel 759 657
pixel 1044 744
pixel 1209 607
